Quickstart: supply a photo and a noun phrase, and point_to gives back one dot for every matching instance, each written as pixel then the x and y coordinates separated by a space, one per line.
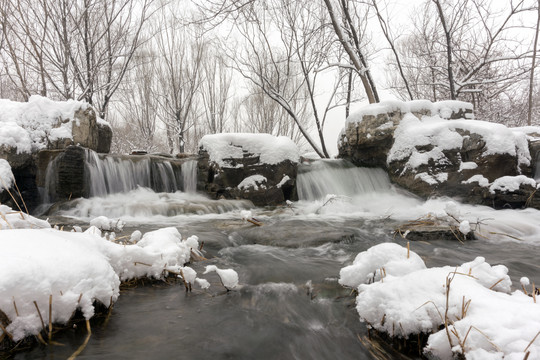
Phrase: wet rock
pixel 105 136
pixel 247 178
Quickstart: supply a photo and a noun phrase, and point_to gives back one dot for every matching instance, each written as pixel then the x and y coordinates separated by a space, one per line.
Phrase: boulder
pixel 41 124
pixel 437 149
pixel 257 167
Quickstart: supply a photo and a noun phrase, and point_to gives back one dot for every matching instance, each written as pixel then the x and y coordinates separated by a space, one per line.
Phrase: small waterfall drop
pixel 110 174
pixel 116 174
pixel 537 167
pixel 189 176
pixel 338 177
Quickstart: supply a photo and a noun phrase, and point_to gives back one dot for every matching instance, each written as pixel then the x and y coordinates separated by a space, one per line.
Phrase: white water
pixel 106 174
pixel 537 167
pixel 109 175
pixel 189 176
pixel 339 177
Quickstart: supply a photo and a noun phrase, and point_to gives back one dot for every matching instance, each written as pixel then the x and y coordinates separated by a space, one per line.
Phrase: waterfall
pixel 537 167
pixel 338 177
pixel 110 174
pixel 107 174
pixel 189 176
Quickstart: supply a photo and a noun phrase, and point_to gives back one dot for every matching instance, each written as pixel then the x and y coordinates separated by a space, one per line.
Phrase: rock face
pixel 248 171
pixel 436 149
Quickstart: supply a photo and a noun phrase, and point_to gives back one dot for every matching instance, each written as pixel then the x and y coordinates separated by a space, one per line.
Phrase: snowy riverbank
pixel 47 274
pixel 468 310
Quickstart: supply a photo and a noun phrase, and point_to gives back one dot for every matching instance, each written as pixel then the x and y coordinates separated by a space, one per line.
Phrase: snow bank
pixel 271 149
pixel 6 176
pixel 29 126
pixel 74 269
pixel 490 321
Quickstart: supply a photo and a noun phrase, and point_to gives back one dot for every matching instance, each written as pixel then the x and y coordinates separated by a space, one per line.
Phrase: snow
pixel 270 149
pixel 29 126
pixel 443 109
pixel 254 182
pixel 10 219
pixel 246 214
pixel 368 265
pixel 283 181
pixel 511 183
pixel 228 277
pixel 6 176
pixel 75 269
pixel 432 179
pixel 470 165
pixel 413 299
pixel 106 224
pixel 480 179
pixel 465 227
pixel 442 135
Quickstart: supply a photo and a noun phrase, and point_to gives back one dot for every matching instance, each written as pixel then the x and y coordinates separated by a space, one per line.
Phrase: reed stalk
pixel 83 345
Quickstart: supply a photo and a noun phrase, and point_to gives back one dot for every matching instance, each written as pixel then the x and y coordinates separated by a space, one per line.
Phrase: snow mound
pixel 485 320
pixel 31 125
pixel 511 183
pixel 270 149
pixel 386 259
pixel 106 224
pixel 73 270
pixel 254 182
pixel 11 219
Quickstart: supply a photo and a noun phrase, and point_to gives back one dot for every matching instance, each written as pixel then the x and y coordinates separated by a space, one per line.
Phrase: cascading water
pixel 338 177
pixel 189 176
pixel 109 174
pixel 537 167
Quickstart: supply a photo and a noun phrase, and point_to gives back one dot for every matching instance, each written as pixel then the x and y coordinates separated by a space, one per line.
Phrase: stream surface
pixel 290 305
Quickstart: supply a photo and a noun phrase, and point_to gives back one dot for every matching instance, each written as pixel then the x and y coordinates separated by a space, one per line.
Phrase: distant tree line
pixel 165 73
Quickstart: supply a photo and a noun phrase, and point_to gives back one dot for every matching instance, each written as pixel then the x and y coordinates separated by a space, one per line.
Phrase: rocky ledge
pixel 438 149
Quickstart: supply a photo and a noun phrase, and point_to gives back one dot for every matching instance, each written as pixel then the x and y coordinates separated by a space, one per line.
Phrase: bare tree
pixel 533 66
pixel 349 38
pixel 215 89
pixel 138 106
pixel 385 28
pixel 179 68
pixel 78 49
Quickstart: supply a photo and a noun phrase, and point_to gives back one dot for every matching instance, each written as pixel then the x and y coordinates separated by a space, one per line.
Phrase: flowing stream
pixel 290 305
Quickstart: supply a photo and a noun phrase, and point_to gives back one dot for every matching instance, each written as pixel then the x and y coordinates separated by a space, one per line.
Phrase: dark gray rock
pixel 104 140
pixel 222 182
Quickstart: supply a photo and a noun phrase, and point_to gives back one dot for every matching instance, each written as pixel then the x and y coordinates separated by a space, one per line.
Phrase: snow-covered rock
pixel 42 123
pixel 438 149
pixel 258 167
